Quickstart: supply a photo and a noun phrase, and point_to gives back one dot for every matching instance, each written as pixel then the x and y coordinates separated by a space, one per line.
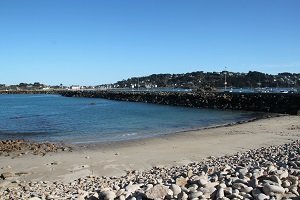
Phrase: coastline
pixel 95 144
pixel 115 159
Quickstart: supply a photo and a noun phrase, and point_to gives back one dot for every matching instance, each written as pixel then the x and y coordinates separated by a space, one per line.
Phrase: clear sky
pixel 91 42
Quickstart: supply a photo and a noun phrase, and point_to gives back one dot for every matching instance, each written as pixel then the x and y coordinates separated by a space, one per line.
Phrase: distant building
pixel 75 87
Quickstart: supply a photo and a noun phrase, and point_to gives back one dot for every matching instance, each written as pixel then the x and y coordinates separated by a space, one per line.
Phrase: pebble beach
pixel 256 160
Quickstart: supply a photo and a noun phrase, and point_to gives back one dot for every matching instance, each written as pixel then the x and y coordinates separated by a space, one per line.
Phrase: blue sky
pixel 93 42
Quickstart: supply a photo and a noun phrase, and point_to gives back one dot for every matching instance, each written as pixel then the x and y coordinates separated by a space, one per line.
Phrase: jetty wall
pixel 262 102
pixel 31 91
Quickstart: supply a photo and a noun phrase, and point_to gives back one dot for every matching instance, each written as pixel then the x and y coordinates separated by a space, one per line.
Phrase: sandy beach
pixel 176 149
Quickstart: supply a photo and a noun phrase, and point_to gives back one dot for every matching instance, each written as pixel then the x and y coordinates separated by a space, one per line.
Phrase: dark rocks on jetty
pixel 30 91
pixel 263 102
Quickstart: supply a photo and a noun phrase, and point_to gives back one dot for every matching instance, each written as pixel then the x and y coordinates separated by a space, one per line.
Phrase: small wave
pixel 17 117
pixel 43 96
pixel 23 117
pixel 129 134
pixel 38 136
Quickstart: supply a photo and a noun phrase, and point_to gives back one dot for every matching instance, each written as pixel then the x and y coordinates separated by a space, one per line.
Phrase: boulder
pixel 220 193
pixel 175 189
pixel 157 192
pixel 109 195
pixel 181 181
pixel 262 196
pixel 268 189
pixel 195 195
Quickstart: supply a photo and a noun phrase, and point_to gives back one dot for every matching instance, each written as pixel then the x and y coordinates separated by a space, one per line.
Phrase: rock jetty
pixel 30 91
pixel 284 103
pixel 265 173
pixel 262 102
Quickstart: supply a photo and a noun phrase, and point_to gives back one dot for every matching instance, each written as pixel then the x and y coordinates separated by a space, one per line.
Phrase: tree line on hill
pixel 193 80
pixel 206 80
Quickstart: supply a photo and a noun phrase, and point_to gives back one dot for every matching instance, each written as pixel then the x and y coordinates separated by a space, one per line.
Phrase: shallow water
pixel 83 120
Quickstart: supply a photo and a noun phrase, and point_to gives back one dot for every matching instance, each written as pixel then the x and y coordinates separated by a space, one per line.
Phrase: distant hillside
pixel 205 80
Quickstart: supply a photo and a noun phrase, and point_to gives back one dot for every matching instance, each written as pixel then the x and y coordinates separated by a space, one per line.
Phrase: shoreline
pixel 254 160
pixel 252 155
pixel 87 145
pixel 175 149
pixel 253 116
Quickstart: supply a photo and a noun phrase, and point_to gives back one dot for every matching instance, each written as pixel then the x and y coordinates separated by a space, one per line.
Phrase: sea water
pixel 56 118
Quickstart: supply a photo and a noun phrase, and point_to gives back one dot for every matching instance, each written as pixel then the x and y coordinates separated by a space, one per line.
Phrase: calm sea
pixel 84 120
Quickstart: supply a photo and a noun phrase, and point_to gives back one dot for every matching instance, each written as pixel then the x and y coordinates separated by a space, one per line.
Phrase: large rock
pixel 157 192
pixel 242 171
pixel 262 196
pixel 275 179
pixel 175 189
pixel 283 174
pixel 268 189
pixel 122 197
pixel 120 192
pixel 132 188
pixel 181 181
pixel 246 189
pixel 183 196
pixel 195 195
pixel 202 181
pixel 220 193
pixel 109 195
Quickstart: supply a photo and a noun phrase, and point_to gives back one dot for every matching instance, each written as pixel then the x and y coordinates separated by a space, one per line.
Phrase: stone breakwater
pixel 16 148
pixel 262 102
pixel 265 173
pixel 30 91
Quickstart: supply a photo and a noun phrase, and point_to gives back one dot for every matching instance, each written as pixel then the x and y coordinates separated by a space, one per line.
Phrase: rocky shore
pixel 17 148
pixel 265 173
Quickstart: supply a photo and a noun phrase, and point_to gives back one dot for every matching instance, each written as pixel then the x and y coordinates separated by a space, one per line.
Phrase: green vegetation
pixel 205 80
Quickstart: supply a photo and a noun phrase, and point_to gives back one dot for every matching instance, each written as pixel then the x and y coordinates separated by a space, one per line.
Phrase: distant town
pixel 195 80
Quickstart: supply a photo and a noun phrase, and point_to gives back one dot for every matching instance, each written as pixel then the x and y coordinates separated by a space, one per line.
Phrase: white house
pixel 75 87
